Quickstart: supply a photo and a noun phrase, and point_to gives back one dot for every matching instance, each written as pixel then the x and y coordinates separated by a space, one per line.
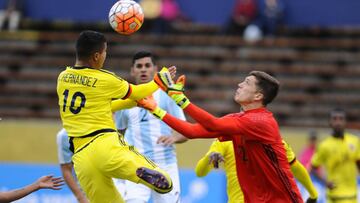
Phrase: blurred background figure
pixel 272 16
pixel 308 151
pixel 245 11
pixel 339 154
pixel 161 15
pixel 11 15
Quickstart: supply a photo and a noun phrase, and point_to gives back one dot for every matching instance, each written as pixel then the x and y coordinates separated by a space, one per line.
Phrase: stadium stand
pixel 317 74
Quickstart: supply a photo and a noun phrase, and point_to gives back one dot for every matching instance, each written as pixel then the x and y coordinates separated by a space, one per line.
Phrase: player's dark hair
pixel 267 85
pixel 143 54
pixel 88 43
pixel 337 110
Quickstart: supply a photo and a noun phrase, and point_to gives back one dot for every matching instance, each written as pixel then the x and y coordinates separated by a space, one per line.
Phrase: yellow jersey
pixel 226 149
pixel 85 96
pixel 339 156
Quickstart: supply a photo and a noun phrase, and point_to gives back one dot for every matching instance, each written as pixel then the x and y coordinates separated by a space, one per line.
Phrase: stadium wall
pixel 298 13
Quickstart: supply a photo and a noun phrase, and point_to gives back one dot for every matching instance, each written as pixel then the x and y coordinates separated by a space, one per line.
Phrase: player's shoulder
pixel 61 137
pixel 351 136
pixel 64 70
pixel 62 133
pixel 327 143
pixel 238 114
pixel 107 73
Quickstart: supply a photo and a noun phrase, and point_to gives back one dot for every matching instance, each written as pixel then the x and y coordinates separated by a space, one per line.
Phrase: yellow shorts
pixel 108 157
pixel 343 199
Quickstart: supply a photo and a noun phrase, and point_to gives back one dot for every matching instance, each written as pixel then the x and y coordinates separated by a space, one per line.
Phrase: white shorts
pixel 133 192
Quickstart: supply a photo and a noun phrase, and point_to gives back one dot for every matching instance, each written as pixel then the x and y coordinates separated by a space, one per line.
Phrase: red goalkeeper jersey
pixel 262 167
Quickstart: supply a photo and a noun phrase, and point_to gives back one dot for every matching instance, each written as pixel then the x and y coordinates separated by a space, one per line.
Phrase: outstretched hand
pixel 176 92
pixel 172 71
pixel 215 159
pixel 147 103
pixel 150 104
pixel 164 77
pixel 50 182
pixel 166 140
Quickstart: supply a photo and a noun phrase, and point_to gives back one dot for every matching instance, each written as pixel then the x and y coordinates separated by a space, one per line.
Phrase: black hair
pixel 88 43
pixel 337 110
pixel 267 84
pixel 143 54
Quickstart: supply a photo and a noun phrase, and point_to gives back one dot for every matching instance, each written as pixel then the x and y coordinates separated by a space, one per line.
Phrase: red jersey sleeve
pixel 187 129
pixel 256 125
pixel 225 125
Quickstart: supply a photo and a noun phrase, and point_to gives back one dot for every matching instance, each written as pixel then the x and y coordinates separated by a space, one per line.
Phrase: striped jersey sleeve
pixel 64 153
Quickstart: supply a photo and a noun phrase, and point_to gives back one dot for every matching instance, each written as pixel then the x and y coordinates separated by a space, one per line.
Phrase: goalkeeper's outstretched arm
pixel 187 129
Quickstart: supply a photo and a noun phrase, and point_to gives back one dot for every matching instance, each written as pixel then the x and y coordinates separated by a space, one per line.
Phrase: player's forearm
pixel 189 130
pixel 71 182
pixel 210 122
pixel 19 193
pixel 122 104
pixel 143 90
pixel 203 167
pixel 303 177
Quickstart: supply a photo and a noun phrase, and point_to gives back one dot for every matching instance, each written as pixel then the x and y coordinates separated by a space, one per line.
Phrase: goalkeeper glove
pixel 150 104
pixel 176 92
pixel 163 79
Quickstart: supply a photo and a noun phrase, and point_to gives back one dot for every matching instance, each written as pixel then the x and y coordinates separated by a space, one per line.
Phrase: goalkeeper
pixel 224 152
pixel 265 174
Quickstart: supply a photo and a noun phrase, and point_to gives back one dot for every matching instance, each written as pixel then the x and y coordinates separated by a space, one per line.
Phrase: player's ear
pixel 259 96
pixel 96 56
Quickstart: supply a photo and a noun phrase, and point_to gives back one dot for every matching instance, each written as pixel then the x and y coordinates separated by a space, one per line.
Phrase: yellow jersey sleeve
pixel 290 155
pixel 303 177
pixel 203 167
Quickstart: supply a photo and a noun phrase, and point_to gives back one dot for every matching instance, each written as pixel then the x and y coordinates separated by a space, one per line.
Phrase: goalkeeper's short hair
pixel 267 85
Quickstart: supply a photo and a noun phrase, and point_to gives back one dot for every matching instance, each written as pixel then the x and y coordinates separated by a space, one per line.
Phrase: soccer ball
pixel 126 17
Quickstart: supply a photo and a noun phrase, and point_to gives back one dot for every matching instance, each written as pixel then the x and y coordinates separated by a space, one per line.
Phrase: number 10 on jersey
pixel 73 109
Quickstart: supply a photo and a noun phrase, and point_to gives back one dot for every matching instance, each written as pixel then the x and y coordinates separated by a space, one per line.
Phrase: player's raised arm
pixel 187 129
pixel 208 121
pixel 254 93
pixel 119 104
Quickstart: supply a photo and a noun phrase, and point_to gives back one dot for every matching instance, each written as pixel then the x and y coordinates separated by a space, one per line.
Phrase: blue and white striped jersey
pixel 64 153
pixel 143 129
